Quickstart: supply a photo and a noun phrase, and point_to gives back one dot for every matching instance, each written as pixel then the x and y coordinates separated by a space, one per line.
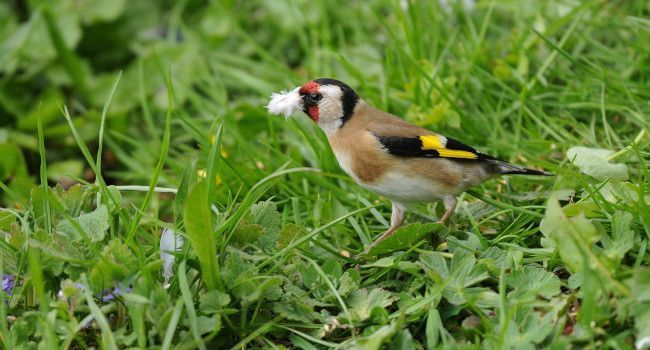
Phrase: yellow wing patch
pixel 434 142
pixel 431 142
pixel 451 153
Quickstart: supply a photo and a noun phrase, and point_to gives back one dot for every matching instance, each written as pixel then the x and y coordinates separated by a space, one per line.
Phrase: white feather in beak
pixel 285 102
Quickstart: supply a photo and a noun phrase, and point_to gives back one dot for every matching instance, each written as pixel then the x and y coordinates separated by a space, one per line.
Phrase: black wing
pixel 430 146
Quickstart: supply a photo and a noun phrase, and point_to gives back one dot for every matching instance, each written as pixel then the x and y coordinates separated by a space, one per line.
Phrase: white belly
pixel 403 189
pixel 397 186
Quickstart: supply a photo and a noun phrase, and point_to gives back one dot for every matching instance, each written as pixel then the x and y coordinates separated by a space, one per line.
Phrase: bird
pixel 389 156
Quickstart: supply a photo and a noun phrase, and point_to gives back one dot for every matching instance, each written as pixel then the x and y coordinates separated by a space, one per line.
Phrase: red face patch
pixel 313 113
pixel 309 88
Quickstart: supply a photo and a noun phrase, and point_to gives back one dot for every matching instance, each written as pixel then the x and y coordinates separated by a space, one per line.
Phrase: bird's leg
pixel 396 219
pixel 450 205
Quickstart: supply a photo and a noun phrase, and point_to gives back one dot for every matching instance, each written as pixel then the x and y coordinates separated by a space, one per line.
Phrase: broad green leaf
pixel 361 302
pixel 262 225
pixel 214 301
pixel 56 247
pixel 247 233
pixel 432 330
pixel 349 281
pixel 374 340
pixel 568 234
pixel 92 226
pixel 405 237
pixel 533 281
pixel 260 288
pixel 464 273
pixel 529 329
pixel 7 218
pixel 403 340
pixel 208 324
pixel 233 267
pixel 593 162
pixel 115 264
pixel 622 238
pixel 289 234
pixel 12 162
pixel 295 309
pixel 435 266
pixel 198 226
pixel 91 11
pixel 267 216
pixel 73 198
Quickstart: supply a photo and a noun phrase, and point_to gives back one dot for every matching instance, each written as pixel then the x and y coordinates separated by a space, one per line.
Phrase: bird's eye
pixel 315 97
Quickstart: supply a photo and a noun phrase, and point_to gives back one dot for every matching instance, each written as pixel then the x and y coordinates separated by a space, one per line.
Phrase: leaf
pixel 12 162
pixel 7 218
pixel 198 226
pixel 432 330
pixel 361 302
pixel 289 234
pixel 115 264
pixel 465 272
pixel 533 281
pixel 266 215
pixel 214 301
pixel 259 289
pixel 622 239
pixel 529 328
pixel 568 233
pixel 208 324
pixel 247 233
pixel 183 189
pixel 405 237
pixel 641 307
pixel 92 226
pixel 72 199
pixel 374 340
pixel 435 266
pixel 262 225
pixel 349 281
pixel 403 340
pixel 65 169
pixel 295 309
pixel 593 162
pixel 56 247
pixel 233 267
pixel 91 11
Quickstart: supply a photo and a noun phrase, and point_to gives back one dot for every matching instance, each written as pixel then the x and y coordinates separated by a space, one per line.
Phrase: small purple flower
pixel 107 296
pixel 118 291
pixel 8 283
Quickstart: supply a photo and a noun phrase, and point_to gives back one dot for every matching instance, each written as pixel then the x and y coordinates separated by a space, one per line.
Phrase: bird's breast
pixel 361 157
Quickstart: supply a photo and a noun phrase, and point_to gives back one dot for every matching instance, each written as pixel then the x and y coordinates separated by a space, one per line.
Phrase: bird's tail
pixel 505 168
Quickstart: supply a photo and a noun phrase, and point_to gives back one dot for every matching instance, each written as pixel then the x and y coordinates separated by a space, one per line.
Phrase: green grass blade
pixel 164 150
pixel 43 177
pixel 189 304
pixel 198 226
pixel 171 327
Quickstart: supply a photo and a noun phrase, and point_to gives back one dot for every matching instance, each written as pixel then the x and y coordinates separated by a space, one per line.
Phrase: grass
pixel 271 225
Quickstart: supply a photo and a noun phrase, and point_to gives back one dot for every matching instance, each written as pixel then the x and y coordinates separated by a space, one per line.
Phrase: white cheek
pixel 330 110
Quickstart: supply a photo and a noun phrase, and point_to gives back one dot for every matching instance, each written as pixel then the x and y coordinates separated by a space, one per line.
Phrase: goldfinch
pixel 389 156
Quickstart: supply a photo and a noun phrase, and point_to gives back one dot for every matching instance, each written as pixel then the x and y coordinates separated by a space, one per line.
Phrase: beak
pixel 285 102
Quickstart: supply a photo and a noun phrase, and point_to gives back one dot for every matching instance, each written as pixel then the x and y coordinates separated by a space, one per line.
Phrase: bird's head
pixel 328 102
